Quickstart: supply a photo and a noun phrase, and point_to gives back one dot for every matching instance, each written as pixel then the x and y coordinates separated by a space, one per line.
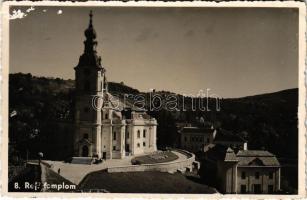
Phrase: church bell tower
pixel 90 86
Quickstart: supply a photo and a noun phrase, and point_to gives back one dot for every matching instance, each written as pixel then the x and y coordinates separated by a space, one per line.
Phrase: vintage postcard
pixel 153 99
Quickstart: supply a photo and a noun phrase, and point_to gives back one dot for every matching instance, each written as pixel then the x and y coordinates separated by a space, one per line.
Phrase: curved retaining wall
pixel 170 167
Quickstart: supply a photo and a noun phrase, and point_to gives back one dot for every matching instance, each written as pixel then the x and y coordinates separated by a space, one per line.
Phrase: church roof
pixel 120 104
pixel 90 58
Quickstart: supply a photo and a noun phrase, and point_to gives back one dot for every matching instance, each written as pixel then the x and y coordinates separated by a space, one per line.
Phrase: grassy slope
pixel 144 182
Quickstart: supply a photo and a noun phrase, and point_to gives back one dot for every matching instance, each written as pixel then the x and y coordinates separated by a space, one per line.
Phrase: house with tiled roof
pixel 247 171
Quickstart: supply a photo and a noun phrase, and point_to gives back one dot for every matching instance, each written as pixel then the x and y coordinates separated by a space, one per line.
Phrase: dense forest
pixel 37 105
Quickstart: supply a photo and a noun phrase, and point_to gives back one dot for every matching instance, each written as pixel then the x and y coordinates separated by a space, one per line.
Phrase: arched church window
pixel 114 136
pixel 139 134
pixel 144 133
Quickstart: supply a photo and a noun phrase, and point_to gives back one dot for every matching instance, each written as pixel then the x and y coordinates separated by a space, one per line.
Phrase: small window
pixel 106 116
pixel 114 136
pixel 243 175
pixel 257 175
pixel 243 189
pixel 114 148
pixel 139 134
pixel 144 144
pixel 127 134
pixel 144 133
pixel 138 144
pixel 271 175
pixel 85 136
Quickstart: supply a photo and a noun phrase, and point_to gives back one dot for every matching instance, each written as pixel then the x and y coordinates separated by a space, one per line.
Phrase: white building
pixel 111 128
pixel 194 139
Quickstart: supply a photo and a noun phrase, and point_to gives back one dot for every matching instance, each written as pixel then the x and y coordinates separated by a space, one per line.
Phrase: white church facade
pixel 114 129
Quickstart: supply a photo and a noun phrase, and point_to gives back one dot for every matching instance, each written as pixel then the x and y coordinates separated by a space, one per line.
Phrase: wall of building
pixel 195 141
pixel 263 179
pixel 106 140
pixel 142 136
pixel 226 174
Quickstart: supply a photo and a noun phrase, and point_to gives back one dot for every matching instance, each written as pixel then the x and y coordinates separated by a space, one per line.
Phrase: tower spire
pixel 90 57
pixel 91 18
pixel 90 43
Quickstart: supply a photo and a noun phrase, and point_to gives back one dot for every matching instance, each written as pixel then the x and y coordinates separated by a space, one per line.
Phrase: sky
pixel 234 52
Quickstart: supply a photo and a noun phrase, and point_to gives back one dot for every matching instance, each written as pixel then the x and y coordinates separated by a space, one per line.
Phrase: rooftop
pixel 227 136
pixel 256 158
pixel 117 103
pixel 243 157
pixel 230 155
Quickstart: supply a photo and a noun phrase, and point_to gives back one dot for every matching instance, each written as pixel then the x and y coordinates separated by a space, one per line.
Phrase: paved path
pixel 76 172
pixel 53 182
pixel 181 156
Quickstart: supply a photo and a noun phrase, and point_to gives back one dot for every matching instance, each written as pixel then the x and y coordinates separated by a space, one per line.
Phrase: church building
pixel 114 129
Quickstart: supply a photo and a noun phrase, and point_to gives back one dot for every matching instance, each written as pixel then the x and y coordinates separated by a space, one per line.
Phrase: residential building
pixel 247 171
pixel 194 139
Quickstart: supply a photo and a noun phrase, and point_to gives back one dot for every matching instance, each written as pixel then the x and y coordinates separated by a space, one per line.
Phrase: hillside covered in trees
pixel 38 104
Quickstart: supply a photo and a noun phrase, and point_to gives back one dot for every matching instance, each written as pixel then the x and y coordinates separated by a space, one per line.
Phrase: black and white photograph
pixel 155 99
